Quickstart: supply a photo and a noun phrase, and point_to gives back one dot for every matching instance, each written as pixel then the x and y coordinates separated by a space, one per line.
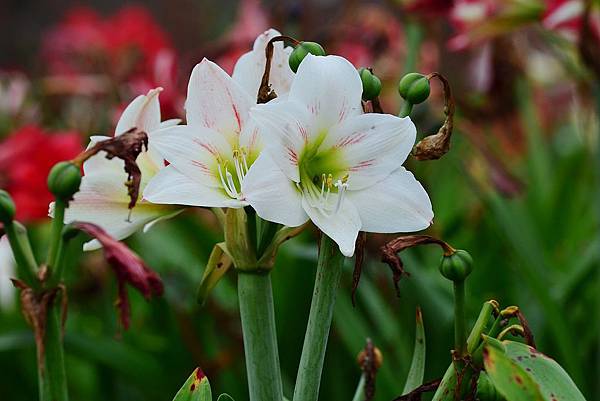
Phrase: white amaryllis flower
pixel 327 161
pixel 210 156
pixel 102 198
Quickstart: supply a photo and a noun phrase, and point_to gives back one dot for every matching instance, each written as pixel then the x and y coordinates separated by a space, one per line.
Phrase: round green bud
pixel 7 207
pixel 302 50
pixel 371 84
pixel 64 180
pixel 414 88
pixel 458 266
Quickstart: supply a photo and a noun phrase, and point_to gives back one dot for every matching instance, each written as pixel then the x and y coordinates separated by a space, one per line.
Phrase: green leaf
pixel 195 388
pixel 417 367
pixel 225 397
pixel 218 264
pixel 510 379
pixel 554 383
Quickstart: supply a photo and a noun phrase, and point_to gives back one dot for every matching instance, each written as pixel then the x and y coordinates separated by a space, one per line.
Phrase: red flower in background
pixel 129 47
pixel 26 157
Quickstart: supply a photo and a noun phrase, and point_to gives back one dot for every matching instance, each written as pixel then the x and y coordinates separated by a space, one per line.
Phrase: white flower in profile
pixel 327 161
pixel 103 198
pixel 210 156
pixel 249 69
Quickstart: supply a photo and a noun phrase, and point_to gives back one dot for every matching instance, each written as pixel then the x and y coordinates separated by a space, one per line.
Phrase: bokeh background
pixel 519 189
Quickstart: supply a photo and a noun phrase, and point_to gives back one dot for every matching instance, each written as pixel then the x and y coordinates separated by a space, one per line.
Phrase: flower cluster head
pixel 309 154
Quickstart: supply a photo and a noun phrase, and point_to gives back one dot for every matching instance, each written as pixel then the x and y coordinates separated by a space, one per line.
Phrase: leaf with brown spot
pixel 218 264
pixel 195 388
pixel 126 147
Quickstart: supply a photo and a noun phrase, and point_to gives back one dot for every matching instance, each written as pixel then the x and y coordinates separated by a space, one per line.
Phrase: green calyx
pixel 302 51
pixel 414 88
pixel 456 266
pixel 7 207
pixel 371 84
pixel 64 180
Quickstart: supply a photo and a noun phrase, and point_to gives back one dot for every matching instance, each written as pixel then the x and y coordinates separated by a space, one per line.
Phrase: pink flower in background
pixel 129 48
pixel 566 18
pixel 26 157
pixel 465 16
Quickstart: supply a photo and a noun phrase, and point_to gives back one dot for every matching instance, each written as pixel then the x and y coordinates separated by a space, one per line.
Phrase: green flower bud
pixel 64 180
pixel 371 84
pixel 302 50
pixel 7 207
pixel 414 88
pixel 458 266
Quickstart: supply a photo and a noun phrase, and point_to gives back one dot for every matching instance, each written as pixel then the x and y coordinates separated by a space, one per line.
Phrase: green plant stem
pixel 360 389
pixel 460 330
pixel 51 370
pixel 260 337
pixel 56 238
pixel 329 273
pixel 414 38
pixel 405 109
pixel 480 324
pixel 26 264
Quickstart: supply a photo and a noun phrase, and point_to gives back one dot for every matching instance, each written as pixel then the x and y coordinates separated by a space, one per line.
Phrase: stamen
pixel 341 186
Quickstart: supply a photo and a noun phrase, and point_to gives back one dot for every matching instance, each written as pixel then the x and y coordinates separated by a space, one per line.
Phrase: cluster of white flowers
pixel 309 154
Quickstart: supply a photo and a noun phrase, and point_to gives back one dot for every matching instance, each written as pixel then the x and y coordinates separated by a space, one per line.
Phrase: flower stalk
pixel 51 371
pixel 329 273
pixel 460 328
pixel 260 336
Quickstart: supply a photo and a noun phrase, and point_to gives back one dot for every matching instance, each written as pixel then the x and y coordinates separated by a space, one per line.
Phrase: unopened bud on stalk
pixel 371 84
pixel 457 266
pixel 64 180
pixel 377 354
pixel 7 207
pixel 302 50
pixel 414 88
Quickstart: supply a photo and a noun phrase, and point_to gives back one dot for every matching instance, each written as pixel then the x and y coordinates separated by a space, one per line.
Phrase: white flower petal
pixel 285 130
pixel 216 101
pixel 142 113
pixel 170 186
pixel 342 227
pixel 371 146
pixel 249 69
pixel 274 197
pixel 193 151
pixel 170 123
pixel 397 204
pixel 330 87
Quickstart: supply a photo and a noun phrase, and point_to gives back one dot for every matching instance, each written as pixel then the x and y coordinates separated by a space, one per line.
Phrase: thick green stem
pixel 51 370
pixel 19 244
pixel 329 272
pixel 56 234
pixel 260 337
pixel 405 109
pixel 460 329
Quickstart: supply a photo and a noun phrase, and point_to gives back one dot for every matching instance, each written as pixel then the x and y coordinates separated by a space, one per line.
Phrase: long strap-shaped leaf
pixel 417 367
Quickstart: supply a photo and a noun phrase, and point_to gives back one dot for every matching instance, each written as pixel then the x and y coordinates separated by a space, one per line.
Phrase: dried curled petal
pixel 128 267
pixel 433 147
pixel 126 147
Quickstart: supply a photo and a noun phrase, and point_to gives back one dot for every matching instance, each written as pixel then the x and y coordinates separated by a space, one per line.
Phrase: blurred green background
pixel 519 190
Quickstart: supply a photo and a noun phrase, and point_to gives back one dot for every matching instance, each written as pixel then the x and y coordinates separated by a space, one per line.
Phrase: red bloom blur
pixel 129 47
pixel 26 158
